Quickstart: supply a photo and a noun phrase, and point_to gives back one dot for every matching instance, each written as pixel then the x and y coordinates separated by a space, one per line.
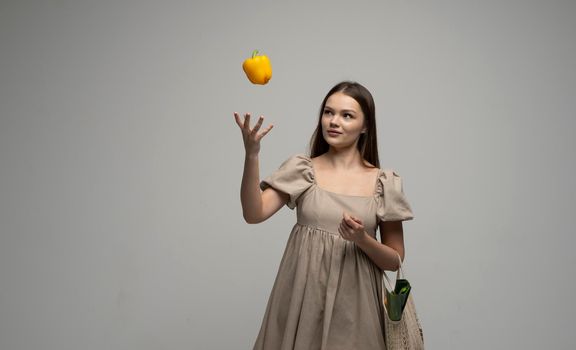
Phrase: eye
pixel 348 115
pixel 327 111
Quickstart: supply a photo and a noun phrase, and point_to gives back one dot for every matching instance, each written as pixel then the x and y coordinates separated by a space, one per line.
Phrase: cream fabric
pixel 327 294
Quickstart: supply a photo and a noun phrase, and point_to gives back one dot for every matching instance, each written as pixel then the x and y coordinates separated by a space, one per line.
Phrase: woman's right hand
pixel 251 137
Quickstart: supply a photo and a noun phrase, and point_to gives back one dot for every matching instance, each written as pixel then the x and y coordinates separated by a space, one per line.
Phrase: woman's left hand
pixel 351 228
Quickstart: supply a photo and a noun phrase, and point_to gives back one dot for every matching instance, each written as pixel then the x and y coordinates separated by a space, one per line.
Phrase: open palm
pixel 251 136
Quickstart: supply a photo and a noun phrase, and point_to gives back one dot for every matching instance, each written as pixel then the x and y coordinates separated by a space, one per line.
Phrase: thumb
pixel 346 217
pixel 356 219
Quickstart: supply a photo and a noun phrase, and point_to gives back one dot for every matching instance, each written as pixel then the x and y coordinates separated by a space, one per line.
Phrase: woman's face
pixel 343 115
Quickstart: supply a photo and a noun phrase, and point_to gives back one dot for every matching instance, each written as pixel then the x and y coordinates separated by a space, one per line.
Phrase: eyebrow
pixel 344 110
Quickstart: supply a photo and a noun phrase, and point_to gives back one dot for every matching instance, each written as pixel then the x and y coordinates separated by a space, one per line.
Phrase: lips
pixel 333 132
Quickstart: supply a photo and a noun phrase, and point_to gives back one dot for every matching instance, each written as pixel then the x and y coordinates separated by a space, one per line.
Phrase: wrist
pixel 251 155
pixel 364 239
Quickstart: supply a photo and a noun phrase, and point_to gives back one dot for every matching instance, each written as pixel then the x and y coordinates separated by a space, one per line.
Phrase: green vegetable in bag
pixel 396 300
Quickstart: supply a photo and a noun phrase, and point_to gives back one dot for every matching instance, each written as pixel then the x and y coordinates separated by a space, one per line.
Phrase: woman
pixel 328 291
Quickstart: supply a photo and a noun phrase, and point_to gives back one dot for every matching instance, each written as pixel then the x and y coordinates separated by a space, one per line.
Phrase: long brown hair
pixel 367 143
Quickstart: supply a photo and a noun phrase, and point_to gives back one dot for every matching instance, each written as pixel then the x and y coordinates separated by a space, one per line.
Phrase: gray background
pixel 120 163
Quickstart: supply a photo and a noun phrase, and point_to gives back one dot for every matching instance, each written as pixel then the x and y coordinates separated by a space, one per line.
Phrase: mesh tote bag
pixel 402 327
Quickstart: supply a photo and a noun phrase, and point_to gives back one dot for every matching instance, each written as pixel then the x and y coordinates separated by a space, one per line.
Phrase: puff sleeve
pixel 293 177
pixel 391 202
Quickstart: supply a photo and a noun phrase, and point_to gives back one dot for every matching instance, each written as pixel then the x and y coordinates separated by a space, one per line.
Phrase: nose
pixel 333 122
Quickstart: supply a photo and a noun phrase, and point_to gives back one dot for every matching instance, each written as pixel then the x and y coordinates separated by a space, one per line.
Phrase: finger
pixel 356 219
pixel 353 219
pixel 350 220
pixel 348 223
pixel 247 121
pixel 346 229
pixel 355 226
pixel 266 131
pixel 237 117
pixel 258 125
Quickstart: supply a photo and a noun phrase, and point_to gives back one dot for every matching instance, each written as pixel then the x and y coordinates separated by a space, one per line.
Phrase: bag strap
pixel 400 270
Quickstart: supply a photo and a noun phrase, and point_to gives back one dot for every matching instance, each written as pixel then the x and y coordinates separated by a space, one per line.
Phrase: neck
pixel 344 159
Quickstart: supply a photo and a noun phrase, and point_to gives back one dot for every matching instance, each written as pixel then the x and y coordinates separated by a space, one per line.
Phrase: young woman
pixel 328 291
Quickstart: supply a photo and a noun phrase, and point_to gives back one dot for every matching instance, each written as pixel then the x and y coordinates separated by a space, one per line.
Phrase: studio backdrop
pixel 120 163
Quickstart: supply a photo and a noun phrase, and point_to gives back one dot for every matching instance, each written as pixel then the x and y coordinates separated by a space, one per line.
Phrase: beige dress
pixel 327 293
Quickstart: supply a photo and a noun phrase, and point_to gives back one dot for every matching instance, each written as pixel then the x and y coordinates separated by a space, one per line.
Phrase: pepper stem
pixel 254 53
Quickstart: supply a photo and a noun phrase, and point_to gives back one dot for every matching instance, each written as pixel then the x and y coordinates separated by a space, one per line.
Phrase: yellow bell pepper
pixel 258 69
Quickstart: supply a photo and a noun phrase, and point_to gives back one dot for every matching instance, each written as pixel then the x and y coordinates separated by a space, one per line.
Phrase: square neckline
pixel 314 178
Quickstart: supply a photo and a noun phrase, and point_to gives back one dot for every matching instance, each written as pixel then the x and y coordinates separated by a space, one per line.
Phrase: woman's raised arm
pixel 257 206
